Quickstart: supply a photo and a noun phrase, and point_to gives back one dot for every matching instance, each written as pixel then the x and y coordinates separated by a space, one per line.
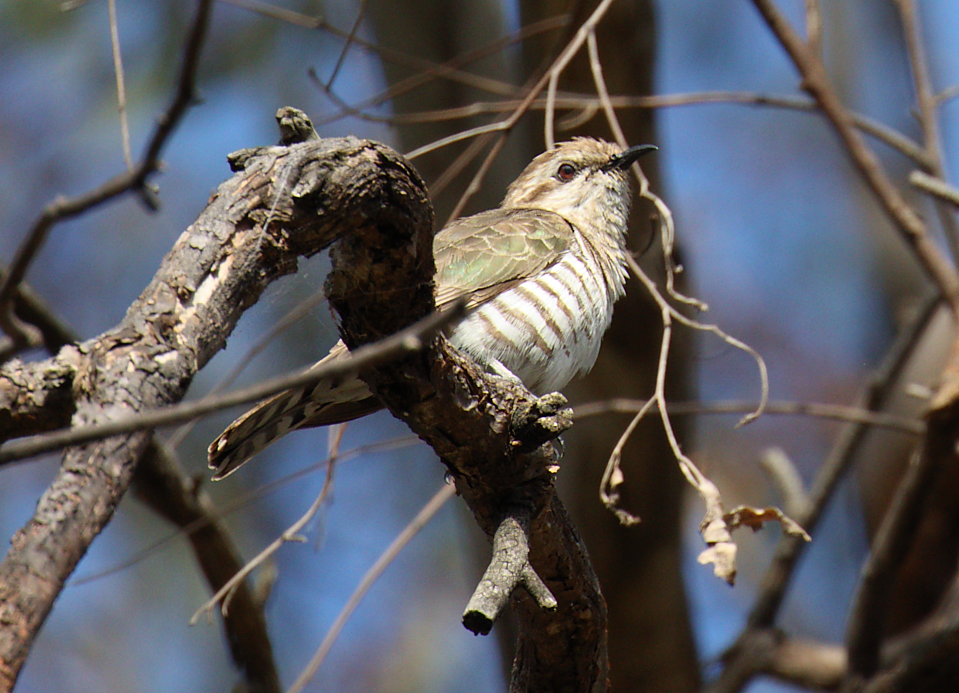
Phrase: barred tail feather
pixel 317 405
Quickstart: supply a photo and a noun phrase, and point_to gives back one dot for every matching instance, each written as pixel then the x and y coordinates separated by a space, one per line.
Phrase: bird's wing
pixel 483 255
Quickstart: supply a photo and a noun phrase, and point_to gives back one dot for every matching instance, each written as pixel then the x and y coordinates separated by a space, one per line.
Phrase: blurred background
pixel 777 235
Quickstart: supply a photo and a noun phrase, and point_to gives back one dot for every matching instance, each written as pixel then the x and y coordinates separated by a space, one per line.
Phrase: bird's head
pixel 583 179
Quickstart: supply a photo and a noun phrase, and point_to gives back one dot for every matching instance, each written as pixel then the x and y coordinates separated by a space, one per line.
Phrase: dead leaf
pixel 754 518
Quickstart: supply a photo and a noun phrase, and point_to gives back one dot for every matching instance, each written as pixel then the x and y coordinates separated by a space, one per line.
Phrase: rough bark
pixel 217 268
pixel 286 202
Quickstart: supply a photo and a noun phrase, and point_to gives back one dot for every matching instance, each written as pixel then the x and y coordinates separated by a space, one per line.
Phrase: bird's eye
pixel 566 172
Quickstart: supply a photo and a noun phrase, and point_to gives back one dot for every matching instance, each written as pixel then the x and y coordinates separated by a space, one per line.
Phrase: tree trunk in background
pixel 440 32
pixel 650 640
pixel 651 645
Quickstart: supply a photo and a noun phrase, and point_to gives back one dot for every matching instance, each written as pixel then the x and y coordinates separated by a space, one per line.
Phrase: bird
pixel 540 274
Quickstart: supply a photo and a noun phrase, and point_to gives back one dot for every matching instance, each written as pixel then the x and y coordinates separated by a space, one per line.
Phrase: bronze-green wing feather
pixel 486 254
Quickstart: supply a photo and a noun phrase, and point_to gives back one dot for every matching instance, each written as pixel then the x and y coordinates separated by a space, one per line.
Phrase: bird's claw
pixel 540 420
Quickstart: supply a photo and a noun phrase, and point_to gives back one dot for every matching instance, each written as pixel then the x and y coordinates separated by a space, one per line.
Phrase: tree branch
pixel 243 240
pixel 508 569
pixel 491 433
pixel 816 83
pixel 134 179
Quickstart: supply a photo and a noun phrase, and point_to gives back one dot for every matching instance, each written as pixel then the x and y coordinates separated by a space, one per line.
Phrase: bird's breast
pixel 546 329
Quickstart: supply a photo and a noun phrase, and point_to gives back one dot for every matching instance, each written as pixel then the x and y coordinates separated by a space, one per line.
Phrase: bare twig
pixel 121 83
pixel 812 665
pixel 836 412
pixel 292 533
pixel 587 103
pixel 426 70
pixel 912 228
pixel 927 106
pixel 349 42
pixel 947 94
pixel 667 226
pixel 54 332
pixel 935 186
pixel 784 475
pixel 787 553
pixel 402 343
pixel 410 531
pixel 739 663
pixel 717 524
pixel 243 501
pixel 162 484
pixel 509 568
pixel 814 27
pixel 504 127
pixel 568 53
pixel 135 180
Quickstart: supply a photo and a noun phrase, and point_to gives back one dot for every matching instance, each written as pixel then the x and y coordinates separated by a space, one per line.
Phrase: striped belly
pixel 545 330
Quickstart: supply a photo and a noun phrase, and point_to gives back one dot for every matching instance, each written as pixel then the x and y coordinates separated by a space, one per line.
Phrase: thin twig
pixel 667 225
pixel 55 333
pixel 927 107
pixel 504 127
pixel 814 27
pixel 716 525
pixel 935 186
pixel 739 662
pixel 244 500
pixel 426 70
pixel 568 53
pixel 292 533
pixel 162 483
pixel 912 228
pixel 783 474
pixel 410 531
pixel 777 578
pixel 456 167
pixel 409 340
pixel 121 83
pixel 349 42
pixel 135 180
pixel 590 104
pixel 835 412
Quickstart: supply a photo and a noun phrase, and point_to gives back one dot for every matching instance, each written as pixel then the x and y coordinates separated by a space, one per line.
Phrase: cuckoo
pixel 540 275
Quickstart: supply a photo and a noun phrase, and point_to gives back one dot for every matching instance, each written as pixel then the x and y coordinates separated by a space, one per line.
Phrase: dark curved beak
pixel 623 161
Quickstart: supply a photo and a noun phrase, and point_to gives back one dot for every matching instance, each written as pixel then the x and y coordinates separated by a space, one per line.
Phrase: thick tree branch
pixel 243 240
pixel 159 481
pixel 491 434
pixel 868 613
pixel 480 426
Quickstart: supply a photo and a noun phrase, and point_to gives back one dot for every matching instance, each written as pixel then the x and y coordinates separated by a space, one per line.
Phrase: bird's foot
pixel 540 420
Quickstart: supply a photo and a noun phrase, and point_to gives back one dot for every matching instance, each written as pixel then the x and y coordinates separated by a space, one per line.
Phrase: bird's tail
pixel 321 404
